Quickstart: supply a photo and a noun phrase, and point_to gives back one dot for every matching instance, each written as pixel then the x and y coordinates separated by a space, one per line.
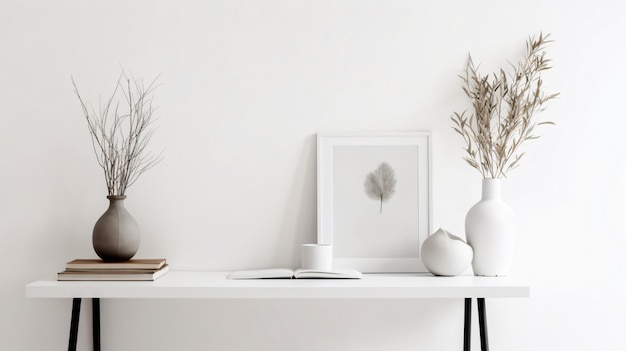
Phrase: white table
pixel 215 285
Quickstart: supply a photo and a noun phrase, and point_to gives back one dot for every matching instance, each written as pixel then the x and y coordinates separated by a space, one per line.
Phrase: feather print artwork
pixel 380 184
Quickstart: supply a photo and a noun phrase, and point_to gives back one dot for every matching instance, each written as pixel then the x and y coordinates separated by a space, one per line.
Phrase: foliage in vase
pixel 504 109
pixel 121 129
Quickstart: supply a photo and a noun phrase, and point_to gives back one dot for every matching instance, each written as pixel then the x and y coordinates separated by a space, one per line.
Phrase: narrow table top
pixel 216 285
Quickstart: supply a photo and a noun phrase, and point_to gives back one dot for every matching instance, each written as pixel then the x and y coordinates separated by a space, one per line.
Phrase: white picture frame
pixel 373 231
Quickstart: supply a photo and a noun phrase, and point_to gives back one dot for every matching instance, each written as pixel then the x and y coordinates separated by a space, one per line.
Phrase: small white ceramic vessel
pixel 446 254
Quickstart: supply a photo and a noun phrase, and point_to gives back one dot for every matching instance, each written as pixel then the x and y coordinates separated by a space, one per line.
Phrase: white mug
pixel 317 256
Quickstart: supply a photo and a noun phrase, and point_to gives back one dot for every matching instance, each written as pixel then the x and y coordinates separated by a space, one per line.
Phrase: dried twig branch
pixel 120 138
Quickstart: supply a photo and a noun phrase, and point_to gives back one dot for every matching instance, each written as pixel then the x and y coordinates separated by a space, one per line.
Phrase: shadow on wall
pixel 299 221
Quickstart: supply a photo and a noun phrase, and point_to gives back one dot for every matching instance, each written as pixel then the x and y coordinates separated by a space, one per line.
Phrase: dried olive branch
pixel 119 139
pixel 504 108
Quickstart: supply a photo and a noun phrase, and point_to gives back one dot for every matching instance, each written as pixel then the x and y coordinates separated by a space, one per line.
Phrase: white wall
pixel 245 87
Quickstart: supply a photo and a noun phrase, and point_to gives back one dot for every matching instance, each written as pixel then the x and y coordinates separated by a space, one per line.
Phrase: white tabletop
pixel 215 285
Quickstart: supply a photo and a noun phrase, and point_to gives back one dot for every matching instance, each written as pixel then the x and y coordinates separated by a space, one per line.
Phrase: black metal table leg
pixel 74 324
pixel 482 321
pixel 96 323
pixel 467 326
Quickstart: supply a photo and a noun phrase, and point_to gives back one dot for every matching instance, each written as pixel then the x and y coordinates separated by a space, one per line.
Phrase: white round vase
pixel 490 229
pixel 445 254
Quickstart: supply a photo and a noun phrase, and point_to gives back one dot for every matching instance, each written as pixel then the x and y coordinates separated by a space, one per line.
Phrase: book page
pixel 334 274
pixel 270 273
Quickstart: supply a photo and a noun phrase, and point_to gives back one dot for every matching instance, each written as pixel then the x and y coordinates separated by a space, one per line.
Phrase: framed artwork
pixel 374 199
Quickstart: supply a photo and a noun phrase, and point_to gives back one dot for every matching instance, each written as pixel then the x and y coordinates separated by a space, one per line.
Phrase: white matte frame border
pixel 328 174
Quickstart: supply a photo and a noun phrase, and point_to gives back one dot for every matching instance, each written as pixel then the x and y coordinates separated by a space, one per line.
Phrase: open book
pixel 286 273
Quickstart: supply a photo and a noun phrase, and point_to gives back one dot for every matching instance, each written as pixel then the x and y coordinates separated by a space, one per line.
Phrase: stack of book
pixel 95 269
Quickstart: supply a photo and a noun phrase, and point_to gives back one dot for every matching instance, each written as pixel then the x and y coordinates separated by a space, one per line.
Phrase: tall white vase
pixel 490 229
